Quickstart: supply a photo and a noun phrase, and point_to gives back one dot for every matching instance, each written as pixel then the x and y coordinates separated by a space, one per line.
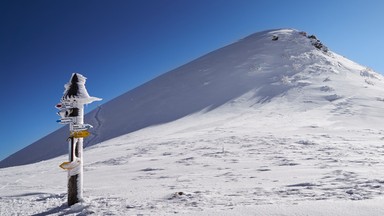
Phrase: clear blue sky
pixel 121 44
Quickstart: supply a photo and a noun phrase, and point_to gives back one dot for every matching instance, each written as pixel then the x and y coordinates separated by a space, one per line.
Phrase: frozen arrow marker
pixel 70 165
pixel 80 134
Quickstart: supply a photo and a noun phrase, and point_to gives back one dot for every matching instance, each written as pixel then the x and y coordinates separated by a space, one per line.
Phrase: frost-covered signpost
pixel 71 108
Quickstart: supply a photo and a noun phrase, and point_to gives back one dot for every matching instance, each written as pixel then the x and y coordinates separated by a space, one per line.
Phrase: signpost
pixel 71 111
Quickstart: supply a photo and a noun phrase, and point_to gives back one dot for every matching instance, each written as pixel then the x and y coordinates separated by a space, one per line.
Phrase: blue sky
pixel 120 44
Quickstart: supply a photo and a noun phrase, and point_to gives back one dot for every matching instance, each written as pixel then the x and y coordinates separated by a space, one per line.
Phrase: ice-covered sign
pixel 71 111
pixel 75 90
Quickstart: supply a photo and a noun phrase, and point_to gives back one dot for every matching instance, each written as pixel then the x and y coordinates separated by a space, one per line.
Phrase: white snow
pixel 81 94
pixel 261 128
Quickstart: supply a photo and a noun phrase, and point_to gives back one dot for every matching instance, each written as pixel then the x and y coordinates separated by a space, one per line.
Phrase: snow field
pixel 259 127
pixel 232 166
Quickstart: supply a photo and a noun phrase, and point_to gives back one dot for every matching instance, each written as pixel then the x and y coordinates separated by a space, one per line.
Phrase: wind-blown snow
pixel 75 90
pixel 75 87
pixel 259 127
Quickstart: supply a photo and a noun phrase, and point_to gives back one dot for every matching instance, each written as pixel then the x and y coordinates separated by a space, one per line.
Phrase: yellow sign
pixel 80 134
pixel 70 165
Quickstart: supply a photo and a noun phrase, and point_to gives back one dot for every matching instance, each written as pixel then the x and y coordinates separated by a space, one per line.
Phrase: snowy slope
pixel 223 163
pixel 259 127
pixel 255 65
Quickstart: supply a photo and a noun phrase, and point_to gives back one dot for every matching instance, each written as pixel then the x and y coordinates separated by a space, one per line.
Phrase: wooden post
pixel 75 176
pixel 73 188
pixel 72 113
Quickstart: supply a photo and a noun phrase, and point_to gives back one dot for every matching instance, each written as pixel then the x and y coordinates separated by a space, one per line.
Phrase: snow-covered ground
pixel 306 139
pixel 216 164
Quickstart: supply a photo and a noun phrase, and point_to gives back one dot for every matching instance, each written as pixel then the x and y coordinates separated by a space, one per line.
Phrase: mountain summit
pixel 283 71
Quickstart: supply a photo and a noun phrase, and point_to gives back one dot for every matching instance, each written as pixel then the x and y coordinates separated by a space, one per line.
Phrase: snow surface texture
pixel 259 127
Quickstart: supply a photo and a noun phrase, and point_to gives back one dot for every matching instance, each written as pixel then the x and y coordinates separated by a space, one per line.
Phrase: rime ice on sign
pixel 72 113
pixel 75 90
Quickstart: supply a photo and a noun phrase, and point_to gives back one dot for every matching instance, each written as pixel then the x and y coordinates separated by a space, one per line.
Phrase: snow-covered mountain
pixel 290 68
pixel 274 124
